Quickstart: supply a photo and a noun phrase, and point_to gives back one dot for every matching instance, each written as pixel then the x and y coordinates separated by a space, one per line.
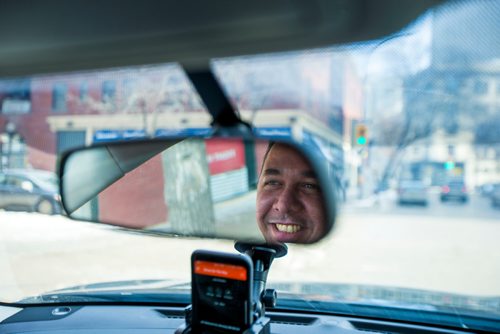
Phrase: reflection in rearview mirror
pixel 290 205
pixel 227 188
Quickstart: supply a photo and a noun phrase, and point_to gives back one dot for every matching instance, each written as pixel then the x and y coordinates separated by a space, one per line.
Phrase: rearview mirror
pixel 225 188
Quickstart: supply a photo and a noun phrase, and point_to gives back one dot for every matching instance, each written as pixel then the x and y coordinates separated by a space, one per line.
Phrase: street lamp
pixel 10 129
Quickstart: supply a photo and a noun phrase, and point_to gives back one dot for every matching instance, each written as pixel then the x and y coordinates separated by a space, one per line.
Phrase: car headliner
pixel 59 35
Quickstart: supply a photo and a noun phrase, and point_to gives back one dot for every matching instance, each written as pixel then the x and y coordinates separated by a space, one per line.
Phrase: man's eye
pixel 311 187
pixel 272 183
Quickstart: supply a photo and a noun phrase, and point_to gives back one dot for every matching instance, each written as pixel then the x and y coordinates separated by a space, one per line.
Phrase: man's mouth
pixel 288 228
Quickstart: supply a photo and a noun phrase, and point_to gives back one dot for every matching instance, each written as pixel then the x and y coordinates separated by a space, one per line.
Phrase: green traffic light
pixel 361 140
pixel 449 165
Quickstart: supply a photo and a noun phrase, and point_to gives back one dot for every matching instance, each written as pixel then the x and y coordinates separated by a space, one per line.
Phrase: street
pixel 477 207
pixel 442 247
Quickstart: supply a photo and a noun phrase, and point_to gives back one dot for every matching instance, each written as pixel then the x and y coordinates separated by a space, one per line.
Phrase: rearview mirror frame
pixel 113 160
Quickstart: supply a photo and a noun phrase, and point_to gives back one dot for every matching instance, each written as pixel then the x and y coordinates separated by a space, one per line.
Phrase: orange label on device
pixel 220 270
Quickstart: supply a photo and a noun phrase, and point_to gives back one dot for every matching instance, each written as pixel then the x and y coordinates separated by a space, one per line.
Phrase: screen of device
pixel 221 296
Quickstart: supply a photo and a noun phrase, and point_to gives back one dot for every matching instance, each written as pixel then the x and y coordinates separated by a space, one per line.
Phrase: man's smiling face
pixel 290 205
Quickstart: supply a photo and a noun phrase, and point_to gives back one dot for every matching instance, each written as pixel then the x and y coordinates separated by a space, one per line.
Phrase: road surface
pixel 442 247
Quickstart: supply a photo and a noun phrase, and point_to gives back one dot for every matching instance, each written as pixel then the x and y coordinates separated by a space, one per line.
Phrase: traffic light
pixel 361 135
pixel 448 165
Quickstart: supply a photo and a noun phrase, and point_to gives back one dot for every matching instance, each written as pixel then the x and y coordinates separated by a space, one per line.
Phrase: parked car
pixel 454 190
pixel 495 196
pixel 413 192
pixel 486 189
pixel 29 190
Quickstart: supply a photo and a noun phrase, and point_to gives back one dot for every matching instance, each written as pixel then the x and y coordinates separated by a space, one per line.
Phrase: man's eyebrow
pixel 272 171
pixel 275 171
pixel 309 174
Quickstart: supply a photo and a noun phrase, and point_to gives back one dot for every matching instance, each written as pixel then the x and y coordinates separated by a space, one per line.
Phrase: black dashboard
pixel 131 319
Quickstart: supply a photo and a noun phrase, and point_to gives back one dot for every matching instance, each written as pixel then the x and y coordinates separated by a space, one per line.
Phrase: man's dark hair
pixel 268 149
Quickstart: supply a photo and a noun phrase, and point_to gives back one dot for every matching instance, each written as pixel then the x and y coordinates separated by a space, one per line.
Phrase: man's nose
pixel 287 201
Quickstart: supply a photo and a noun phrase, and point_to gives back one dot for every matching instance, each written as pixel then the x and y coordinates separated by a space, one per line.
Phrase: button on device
pixel 210 291
pixel 228 294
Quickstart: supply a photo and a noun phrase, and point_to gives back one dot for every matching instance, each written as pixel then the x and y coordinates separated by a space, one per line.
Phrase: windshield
pixel 409 124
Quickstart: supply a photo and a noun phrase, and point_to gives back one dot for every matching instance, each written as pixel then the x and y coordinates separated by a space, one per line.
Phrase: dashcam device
pixel 221 292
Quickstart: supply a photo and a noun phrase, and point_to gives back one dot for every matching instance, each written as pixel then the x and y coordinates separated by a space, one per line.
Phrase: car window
pixel 408 126
pixel 16 181
pixel 44 180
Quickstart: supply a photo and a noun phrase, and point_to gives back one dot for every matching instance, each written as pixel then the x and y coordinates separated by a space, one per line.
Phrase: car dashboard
pixel 131 319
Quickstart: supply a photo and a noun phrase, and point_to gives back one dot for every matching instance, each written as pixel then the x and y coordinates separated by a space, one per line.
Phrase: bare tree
pixel 418 121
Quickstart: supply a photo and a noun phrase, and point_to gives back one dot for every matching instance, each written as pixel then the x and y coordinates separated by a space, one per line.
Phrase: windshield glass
pixel 409 124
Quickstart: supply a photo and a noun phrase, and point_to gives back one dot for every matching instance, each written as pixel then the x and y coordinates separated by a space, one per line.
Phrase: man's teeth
pixel 288 228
